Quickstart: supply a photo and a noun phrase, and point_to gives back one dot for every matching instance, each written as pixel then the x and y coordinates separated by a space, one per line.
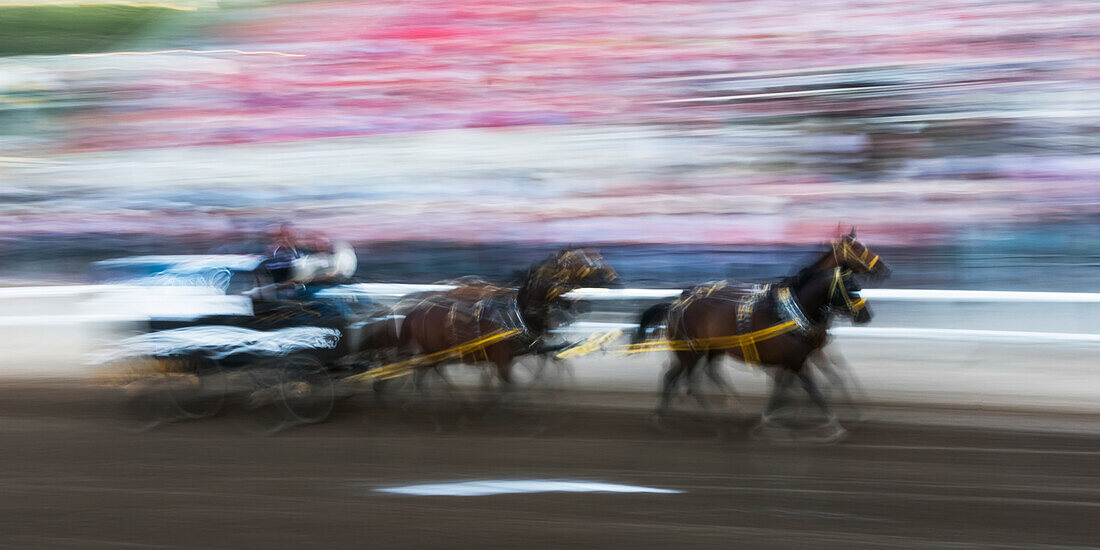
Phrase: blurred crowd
pixel 693 123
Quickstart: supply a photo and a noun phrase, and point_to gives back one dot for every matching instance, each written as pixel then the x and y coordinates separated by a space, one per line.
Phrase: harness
pixel 789 309
pixel 490 301
pixel 792 320
pixel 748 304
pixel 401 368
pixel 839 277
pixel 490 307
pixel 745 309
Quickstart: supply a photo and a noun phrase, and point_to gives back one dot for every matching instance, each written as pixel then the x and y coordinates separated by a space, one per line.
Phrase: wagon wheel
pixel 307 392
pixel 194 390
pixel 146 395
pixel 256 399
pixel 145 406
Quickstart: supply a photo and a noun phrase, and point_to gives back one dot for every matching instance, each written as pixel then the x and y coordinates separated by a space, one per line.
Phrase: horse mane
pixel 806 271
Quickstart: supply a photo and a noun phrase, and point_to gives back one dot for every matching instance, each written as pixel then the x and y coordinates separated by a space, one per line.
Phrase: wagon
pixel 271 379
pixel 279 366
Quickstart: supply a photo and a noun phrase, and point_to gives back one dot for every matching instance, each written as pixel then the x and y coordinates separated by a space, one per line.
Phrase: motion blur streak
pixel 790 272
pixel 186 51
pixel 124 3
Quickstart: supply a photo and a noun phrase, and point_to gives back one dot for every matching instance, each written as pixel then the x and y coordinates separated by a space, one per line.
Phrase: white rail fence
pixel 401 289
pixel 98 304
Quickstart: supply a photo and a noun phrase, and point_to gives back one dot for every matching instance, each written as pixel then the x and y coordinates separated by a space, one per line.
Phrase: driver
pixel 284 253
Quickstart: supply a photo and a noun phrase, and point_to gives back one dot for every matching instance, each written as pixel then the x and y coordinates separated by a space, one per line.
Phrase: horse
pixel 778 325
pixel 435 322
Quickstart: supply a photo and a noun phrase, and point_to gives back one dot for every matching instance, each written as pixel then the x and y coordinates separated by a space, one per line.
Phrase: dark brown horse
pixel 435 322
pixel 778 325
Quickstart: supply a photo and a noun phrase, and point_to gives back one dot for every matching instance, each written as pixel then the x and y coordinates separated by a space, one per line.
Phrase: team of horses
pixel 781 325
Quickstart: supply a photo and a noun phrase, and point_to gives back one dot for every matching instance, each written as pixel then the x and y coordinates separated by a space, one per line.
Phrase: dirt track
pixel 73 480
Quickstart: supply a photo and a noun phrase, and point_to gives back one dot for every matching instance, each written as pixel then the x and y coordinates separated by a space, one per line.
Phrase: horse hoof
pixel 837 435
pixel 766 431
pixel 657 421
pixel 735 408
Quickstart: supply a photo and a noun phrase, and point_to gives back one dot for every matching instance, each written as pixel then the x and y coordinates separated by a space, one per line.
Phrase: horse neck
pixel 533 300
pixel 826 262
pixel 813 295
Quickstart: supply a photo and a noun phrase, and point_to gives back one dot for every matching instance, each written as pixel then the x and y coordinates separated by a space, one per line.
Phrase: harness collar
pixel 789 310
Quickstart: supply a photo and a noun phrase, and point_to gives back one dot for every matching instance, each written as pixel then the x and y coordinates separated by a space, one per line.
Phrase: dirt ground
pixel 72 478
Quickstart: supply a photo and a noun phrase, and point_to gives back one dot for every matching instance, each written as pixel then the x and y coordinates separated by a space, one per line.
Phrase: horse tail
pixel 648 318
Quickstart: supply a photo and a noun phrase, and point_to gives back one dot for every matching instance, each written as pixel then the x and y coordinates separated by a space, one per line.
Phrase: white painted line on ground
pixel 515 486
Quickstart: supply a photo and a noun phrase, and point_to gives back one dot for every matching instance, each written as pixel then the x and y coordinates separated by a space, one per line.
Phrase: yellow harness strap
pixel 594 343
pixel 718 342
pixel 401 368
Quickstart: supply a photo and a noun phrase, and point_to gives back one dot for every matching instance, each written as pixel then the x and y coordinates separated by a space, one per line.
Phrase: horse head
pixel 583 267
pixel 851 255
pixel 568 269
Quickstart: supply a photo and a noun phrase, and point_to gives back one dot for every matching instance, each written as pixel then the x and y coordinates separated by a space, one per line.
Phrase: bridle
pixel 570 266
pixel 844 253
pixel 790 310
pixel 588 265
pixel 838 284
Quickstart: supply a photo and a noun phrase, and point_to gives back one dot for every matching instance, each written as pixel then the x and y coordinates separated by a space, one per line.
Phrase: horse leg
pixel 486 379
pixel 501 356
pixel 677 367
pixel 381 393
pixel 714 372
pixel 554 373
pixel 448 385
pixel 845 369
pixel 811 388
pixel 420 381
pixel 420 377
pixel 692 380
pixel 504 371
pixel 542 365
pixel 826 366
pixel 783 380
